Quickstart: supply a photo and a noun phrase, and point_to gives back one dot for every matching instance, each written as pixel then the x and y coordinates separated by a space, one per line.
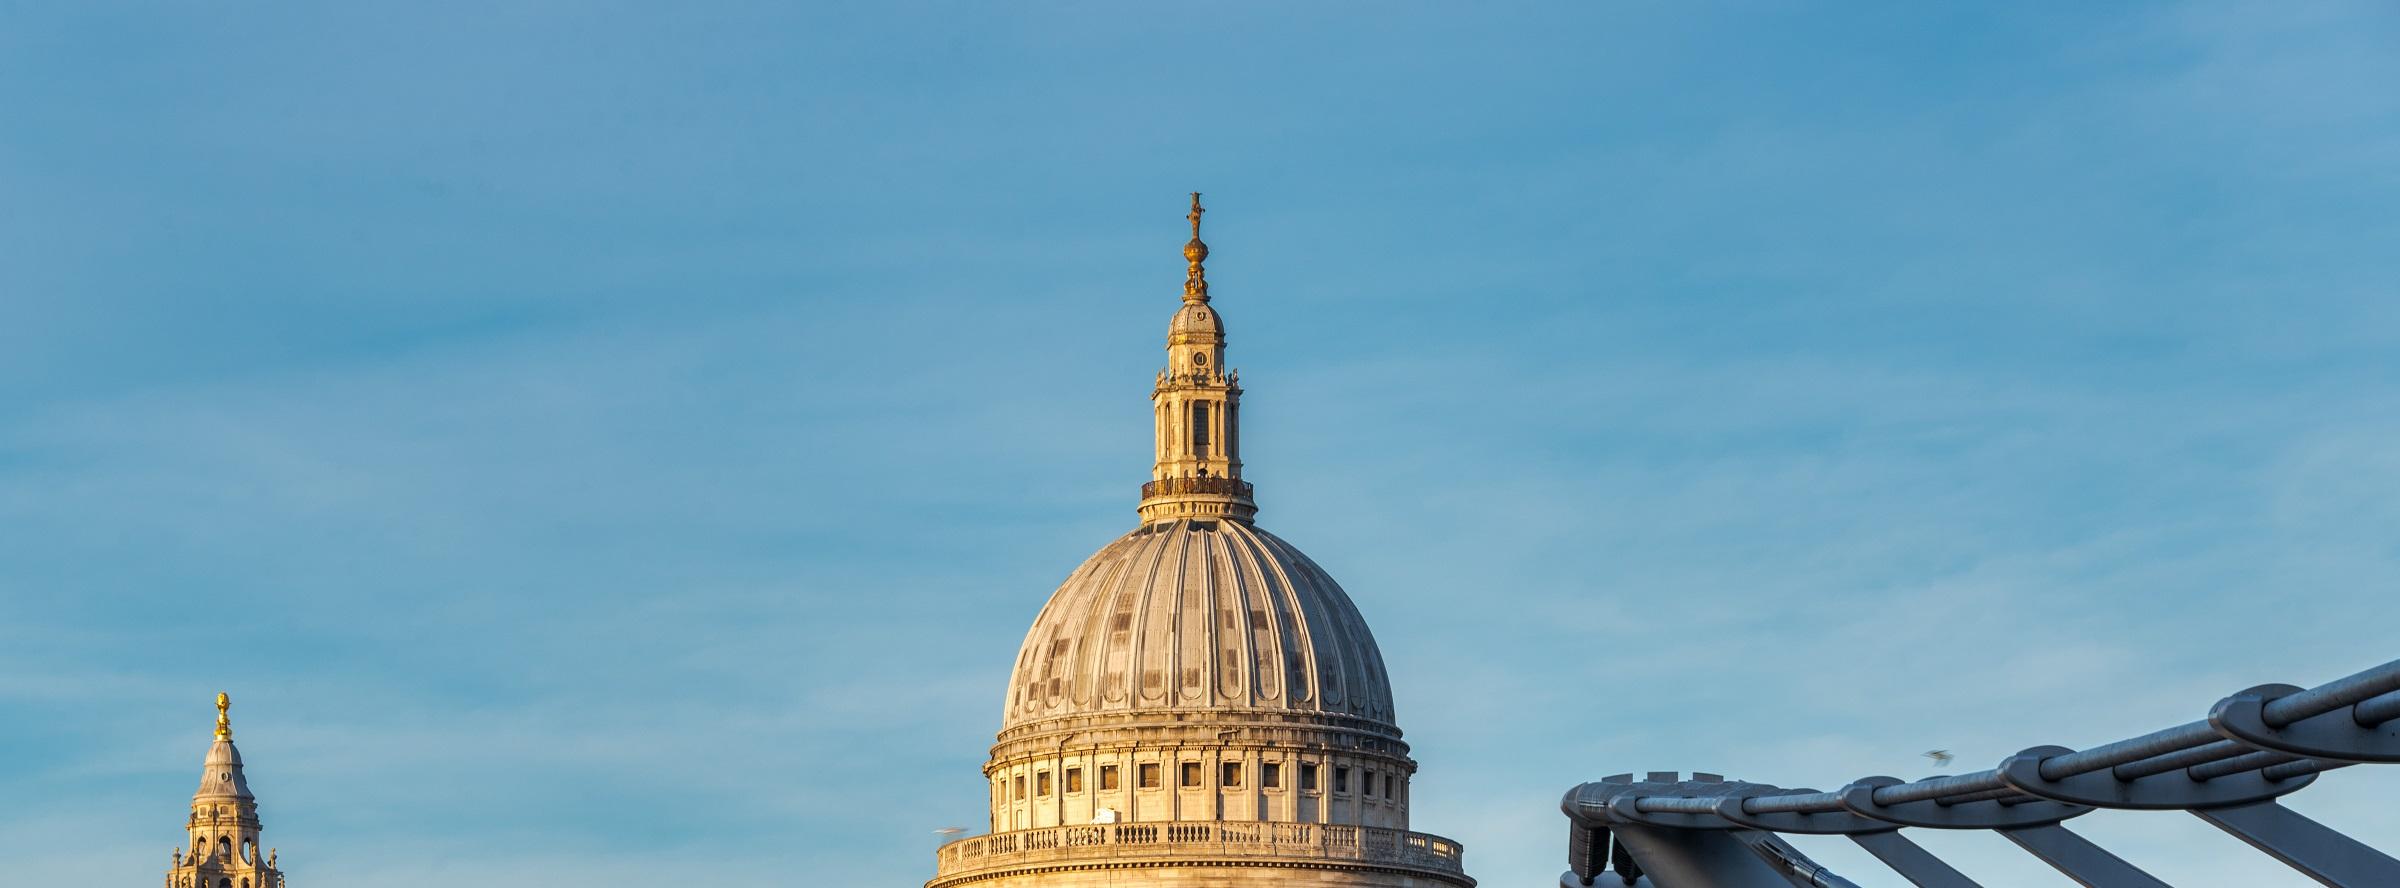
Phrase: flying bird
pixel 1941 757
pixel 948 831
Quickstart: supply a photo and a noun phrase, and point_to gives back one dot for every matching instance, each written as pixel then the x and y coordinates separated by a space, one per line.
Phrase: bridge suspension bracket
pixel 2334 736
pixel 2172 790
pixel 1818 823
pixel 1859 798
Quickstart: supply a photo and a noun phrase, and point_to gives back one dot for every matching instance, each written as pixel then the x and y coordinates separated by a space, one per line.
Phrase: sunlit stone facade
pixel 1199 703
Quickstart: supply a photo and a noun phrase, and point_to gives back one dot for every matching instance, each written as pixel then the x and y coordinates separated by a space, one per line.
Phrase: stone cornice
pixel 1161 845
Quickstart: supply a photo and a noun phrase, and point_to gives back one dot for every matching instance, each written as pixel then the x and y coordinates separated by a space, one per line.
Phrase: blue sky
pixel 599 437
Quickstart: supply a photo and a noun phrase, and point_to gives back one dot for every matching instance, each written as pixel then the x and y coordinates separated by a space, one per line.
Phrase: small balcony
pixel 1210 485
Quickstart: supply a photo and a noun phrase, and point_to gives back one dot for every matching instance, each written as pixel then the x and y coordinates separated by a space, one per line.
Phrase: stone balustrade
pixel 1189 486
pixel 1106 843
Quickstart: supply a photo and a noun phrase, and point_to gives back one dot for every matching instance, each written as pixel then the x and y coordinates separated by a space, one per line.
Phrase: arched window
pixel 224 847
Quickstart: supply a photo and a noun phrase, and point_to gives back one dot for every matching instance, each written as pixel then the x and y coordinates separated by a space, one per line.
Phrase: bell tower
pixel 1197 402
pixel 224 848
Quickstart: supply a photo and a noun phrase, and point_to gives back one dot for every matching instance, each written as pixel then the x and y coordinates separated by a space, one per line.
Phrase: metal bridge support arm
pixel 2306 845
pixel 1913 863
pixel 2089 865
pixel 1569 879
pixel 1696 858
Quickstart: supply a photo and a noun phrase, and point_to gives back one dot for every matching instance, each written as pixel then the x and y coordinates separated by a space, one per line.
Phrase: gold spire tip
pixel 1195 279
pixel 224 722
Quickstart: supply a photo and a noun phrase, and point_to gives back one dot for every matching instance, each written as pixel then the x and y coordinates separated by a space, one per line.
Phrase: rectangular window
pixel 1341 780
pixel 1230 775
pixel 1366 784
pixel 1020 786
pixel 1041 783
pixel 1108 777
pixel 1387 788
pixel 1191 774
pixel 1150 776
pixel 1308 777
pixel 1200 430
pixel 1270 775
pixel 1074 779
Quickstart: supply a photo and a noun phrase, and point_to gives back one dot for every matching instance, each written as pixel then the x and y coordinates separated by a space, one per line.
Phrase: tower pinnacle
pixel 1195 280
pixel 1197 472
pixel 223 829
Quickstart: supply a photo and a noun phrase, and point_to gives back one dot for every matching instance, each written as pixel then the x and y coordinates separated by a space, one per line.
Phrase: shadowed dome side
pixel 1212 616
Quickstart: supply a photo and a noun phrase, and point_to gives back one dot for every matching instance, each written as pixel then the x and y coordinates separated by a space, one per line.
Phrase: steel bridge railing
pixel 2227 769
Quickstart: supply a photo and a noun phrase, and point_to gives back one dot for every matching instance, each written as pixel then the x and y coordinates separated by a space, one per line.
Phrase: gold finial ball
pixel 1195 251
pixel 223 700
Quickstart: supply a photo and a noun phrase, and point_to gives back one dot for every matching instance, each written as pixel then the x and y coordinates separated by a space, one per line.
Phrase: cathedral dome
pixel 1199 616
pixel 1199 703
